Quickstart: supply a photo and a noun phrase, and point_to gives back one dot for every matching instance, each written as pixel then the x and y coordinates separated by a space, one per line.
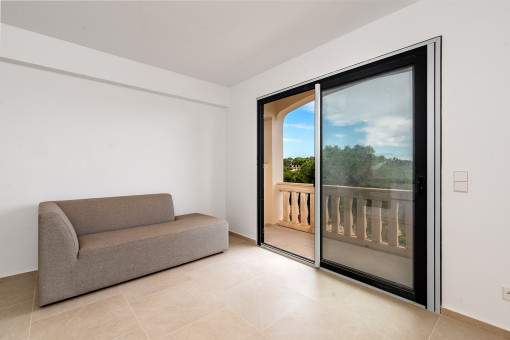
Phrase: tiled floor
pixel 244 293
pixel 392 267
pixel 292 240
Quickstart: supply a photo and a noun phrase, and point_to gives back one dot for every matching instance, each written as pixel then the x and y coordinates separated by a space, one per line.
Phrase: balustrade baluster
pixel 361 223
pixel 286 209
pixel 348 216
pixel 393 224
pixel 295 207
pixel 304 208
pixel 409 225
pixel 376 221
pixel 312 210
pixel 335 213
pixel 325 212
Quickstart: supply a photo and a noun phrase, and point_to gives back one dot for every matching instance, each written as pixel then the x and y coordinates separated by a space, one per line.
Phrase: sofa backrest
pixel 96 215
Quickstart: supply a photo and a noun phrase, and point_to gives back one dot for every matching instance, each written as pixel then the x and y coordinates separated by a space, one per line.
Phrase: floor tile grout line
pixel 246 320
pixel 192 322
pixel 32 312
pixel 159 291
pixel 136 317
pixel 118 336
pixel 434 328
pixel 79 306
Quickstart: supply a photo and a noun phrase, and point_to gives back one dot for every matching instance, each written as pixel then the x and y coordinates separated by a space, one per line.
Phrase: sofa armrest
pixel 58 254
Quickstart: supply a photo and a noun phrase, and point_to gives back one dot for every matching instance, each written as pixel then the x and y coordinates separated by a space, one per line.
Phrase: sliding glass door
pixel 373 204
pixel 373 169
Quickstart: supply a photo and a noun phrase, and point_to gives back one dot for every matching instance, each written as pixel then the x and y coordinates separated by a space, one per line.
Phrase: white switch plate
pixel 506 293
pixel 460 176
pixel 460 186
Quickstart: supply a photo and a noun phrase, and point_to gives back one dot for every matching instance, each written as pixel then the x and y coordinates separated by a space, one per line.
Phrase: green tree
pixel 350 166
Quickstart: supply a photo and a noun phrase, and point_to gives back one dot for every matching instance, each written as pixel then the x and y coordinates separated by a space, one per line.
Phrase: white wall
pixel 37 49
pixel 476 51
pixel 63 137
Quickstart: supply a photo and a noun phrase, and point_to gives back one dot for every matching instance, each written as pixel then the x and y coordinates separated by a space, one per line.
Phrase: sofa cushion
pixel 96 215
pixel 183 223
pixel 112 257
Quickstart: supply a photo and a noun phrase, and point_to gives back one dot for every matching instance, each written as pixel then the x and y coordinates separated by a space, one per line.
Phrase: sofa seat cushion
pixel 111 257
pixel 183 223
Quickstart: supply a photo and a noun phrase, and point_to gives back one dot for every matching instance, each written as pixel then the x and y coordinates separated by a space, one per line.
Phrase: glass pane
pixel 367 175
pixel 289 173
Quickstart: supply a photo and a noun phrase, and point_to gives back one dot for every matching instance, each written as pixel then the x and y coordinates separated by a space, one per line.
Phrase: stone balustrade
pixel 370 217
pixel 300 212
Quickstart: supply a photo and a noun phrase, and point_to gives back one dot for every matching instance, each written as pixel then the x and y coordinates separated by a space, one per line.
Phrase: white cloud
pixel 381 108
pixel 310 107
pixel 339 135
pixel 290 140
pixel 299 126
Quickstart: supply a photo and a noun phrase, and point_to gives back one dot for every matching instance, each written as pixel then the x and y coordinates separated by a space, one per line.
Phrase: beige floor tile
pixel 153 283
pixel 275 265
pixel 394 318
pixel 15 321
pixel 318 285
pixel 103 319
pixel 222 275
pixel 207 261
pixel 221 325
pixel 18 277
pixel 66 305
pixel 451 329
pixel 243 254
pixel 15 292
pixel 261 301
pixel 168 310
pixel 137 334
pixel 312 320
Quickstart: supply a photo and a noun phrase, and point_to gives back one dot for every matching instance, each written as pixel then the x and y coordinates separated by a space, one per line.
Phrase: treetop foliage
pixel 351 166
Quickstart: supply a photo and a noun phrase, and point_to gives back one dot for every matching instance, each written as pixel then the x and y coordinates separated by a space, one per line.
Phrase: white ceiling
pixel 223 42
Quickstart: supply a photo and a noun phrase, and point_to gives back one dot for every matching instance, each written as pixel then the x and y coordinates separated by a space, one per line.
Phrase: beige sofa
pixel 89 244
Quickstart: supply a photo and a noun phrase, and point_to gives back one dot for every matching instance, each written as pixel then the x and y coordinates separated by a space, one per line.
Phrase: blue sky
pixel 298 132
pixel 384 121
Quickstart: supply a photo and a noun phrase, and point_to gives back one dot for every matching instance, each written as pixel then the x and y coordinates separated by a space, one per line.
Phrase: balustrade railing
pixel 370 217
pixel 300 212
pixel 380 219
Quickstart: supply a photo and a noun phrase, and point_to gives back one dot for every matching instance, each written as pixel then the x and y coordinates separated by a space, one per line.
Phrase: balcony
pixel 361 223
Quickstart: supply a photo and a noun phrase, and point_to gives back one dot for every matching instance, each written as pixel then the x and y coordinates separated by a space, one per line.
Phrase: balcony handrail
pixel 338 203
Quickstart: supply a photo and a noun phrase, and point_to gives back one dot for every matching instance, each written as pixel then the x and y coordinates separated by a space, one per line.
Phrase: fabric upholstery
pixel 129 253
pixel 58 250
pixel 90 244
pixel 96 215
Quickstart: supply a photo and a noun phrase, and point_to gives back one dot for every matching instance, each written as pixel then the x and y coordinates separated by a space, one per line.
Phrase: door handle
pixel 420 184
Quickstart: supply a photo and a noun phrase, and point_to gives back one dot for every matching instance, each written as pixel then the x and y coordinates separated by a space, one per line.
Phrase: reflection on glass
pixel 367 175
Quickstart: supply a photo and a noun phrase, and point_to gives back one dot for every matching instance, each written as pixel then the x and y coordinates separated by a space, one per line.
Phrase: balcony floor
pixel 294 241
pixel 392 267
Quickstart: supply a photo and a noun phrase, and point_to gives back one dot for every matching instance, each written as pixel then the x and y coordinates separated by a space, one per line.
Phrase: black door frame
pixel 418 58
pixel 260 165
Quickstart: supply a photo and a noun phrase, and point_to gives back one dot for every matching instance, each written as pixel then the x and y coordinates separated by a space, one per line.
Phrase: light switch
pixel 460 186
pixel 460 181
pixel 460 176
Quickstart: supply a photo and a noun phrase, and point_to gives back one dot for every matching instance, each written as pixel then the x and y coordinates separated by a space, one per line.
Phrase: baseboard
pixel 250 240
pixel 18 277
pixel 476 323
